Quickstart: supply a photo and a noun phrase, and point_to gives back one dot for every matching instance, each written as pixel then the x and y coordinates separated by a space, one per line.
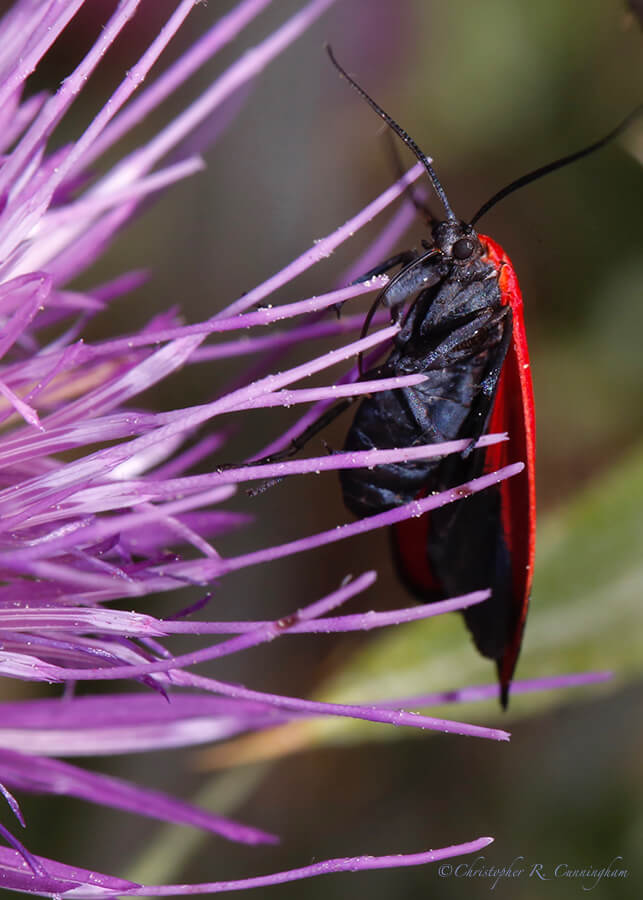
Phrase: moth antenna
pixel 556 164
pixel 408 140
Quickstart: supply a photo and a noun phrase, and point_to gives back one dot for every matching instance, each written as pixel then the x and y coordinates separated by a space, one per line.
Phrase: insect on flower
pixel 100 507
pixel 463 329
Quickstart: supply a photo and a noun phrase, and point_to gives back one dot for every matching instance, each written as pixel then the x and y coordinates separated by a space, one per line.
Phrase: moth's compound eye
pixel 463 248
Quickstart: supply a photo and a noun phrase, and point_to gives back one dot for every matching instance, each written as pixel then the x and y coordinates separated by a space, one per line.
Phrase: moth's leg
pixel 400 259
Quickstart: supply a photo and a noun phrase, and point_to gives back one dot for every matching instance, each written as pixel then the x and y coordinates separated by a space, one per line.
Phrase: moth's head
pixel 457 240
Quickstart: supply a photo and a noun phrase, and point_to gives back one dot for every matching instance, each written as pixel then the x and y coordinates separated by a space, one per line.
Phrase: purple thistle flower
pixel 82 530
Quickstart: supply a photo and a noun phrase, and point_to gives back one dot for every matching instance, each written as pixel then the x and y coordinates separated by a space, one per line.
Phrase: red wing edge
pixel 513 412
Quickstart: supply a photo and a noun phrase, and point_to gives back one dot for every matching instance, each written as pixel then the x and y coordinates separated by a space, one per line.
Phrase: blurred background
pixel 489 90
